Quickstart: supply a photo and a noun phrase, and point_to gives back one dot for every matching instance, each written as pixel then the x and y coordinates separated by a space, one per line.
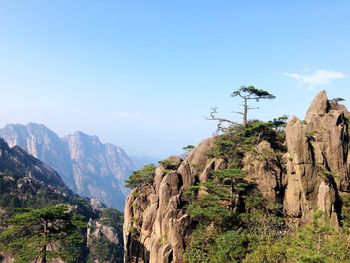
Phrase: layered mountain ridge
pixel 311 175
pixel 23 176
pixel 28 183
pixel 87 166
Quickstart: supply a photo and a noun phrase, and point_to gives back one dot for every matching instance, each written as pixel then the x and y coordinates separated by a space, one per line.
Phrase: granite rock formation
pixel 309 176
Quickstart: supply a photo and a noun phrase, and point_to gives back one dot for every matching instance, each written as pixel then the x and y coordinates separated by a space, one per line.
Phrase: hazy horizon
pixel 142 76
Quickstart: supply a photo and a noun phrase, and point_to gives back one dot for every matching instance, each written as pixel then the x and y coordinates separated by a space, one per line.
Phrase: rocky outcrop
pixel 43 144
pixel 307 176
pixel 87 166
pixel 22 175
pixel 97 230
pixel 318 165
pixel 263 168
pixel 156 228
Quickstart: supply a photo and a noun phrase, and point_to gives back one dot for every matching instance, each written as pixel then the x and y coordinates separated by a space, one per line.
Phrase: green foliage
pixel 269 251
pixel 224 190
pixel 236 141
pixel 29 206
pixel 232 220
pixel 169 165
pixel 325 173
pixel 317 242
pixel 101 250
pixel 188 148
pixel 246 94
pixel 212 246
pixel 338 99
pixel 191 193
pixel 279 123
pixel 111 217
pixel 231 246
pixel 202 241
pixel 208 209
pixel 252 93
pixel 141 177
pixel 31 232
pixel 83 207
pixel 345 202
pixel 216 212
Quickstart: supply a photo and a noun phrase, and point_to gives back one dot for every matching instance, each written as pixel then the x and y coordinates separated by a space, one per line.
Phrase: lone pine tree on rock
pixel 247 93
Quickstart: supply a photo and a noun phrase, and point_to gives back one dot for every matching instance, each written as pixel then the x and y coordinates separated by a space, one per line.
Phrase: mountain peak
pixel 319 106
pixel 86 165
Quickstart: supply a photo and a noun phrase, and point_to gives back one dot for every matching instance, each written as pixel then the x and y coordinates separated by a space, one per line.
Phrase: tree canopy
pixel 141 177
pixel 44 233
pixel 252 93
pixel 246 93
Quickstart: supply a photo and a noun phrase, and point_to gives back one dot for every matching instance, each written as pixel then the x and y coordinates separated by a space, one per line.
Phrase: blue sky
pixel 142 74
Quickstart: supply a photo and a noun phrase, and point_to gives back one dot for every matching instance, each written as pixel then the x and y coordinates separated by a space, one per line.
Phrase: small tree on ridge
pixel 247 94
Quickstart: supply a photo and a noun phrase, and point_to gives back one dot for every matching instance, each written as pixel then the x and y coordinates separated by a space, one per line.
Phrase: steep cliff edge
pixel 318 166
pixel 308 175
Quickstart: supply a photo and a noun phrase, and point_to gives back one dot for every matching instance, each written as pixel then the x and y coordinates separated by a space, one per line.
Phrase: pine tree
pixel 247 94
pixel 43 233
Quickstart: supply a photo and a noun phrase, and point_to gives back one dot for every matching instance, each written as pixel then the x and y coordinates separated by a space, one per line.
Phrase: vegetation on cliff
pixel 141 177
pixel 234 223
pixel 104 248
pixel 232 218
pixel 259 191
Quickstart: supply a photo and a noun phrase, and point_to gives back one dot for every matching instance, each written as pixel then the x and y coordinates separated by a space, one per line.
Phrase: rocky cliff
pixel 22 176
pixel 309 175
pixel 26 182
pixel 87 166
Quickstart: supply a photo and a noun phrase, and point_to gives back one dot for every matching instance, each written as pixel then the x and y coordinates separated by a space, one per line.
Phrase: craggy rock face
pixel 318 166
pixel 308 177
pixel 156 228
pixel 264 169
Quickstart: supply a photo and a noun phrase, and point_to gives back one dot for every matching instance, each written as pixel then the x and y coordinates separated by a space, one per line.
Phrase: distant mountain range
pixel 86 165
pixel 26 182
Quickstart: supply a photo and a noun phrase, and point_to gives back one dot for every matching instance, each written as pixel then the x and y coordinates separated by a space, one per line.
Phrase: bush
pixel 141 177
pixel 102 250
pixel 231 246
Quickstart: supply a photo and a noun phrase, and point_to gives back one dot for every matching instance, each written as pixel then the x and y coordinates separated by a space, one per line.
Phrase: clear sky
pixel 142 74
